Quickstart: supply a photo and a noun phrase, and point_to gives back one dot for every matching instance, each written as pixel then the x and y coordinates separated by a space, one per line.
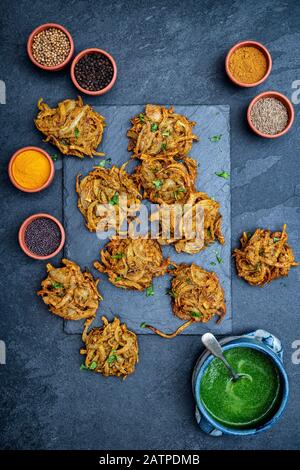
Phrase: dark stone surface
pixel 166 51
pixel 83 246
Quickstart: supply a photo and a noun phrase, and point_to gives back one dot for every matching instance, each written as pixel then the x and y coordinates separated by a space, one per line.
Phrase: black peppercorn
pixel 94 71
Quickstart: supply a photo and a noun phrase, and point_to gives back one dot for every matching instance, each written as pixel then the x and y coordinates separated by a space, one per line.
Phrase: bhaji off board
pixel 213 156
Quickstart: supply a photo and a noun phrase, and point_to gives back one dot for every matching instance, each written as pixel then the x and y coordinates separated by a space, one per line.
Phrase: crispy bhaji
pixel 103 186
pixel 197 296
pixel 74 128
pixel 264 256
pixel 166 179
pixel 111 350
pixel 160 131
pixel 132 263
pixel 69 292
pixel 192 228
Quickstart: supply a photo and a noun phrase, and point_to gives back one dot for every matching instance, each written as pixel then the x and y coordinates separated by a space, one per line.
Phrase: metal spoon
pixel 212 344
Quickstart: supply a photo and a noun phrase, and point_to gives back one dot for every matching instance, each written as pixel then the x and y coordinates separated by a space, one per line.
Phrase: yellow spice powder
pixel 31 169
pixel 248 64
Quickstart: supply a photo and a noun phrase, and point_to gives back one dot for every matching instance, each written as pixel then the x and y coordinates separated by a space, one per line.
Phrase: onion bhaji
pixel 132 263
pixel 160 131
pixel 111 350
pixel 197 205
pixel 197 296
pixel 166 179
pixel 74 128
pixel 69 292
pixel 264 256
pixel 107 186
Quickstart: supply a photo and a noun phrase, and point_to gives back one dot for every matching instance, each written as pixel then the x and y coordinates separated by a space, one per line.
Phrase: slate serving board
pixel 83 247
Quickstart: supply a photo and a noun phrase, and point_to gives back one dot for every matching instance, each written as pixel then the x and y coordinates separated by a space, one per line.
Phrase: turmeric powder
pixel 31 169
pixel 248 64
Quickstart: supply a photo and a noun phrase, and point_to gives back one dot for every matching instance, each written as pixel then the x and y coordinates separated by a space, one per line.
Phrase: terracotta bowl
pixel 22 236
pixel 42 28
pixel 97 92
pixel 287 104
pixel 51 174
pixel 259 46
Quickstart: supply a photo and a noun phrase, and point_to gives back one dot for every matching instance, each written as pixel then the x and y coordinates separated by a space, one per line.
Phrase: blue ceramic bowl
pixel 209 424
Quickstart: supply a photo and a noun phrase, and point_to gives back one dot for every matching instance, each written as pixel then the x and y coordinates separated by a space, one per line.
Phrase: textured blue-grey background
pixel 82 246
pixel 167 51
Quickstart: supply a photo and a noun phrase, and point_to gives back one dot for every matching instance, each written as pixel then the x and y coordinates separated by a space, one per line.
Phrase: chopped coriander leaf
pixel 142 117
pixel 249 234
pixel 93 365
pixel 208 232
pixel 76 132
pixel 118 278
pixel 171 267
pixel 163 146
pixel 212 263
pixel 218 257
pixel 223 174
pixel 196 314
pixel 275 239
pixel 114 200
pixel 215 138
pixel 112 358
pixel 54 157
pixel 178 191
pixel 104 162
pixel 118 256
pixel 154 127
pixel 143 325
pixel 165 133
pixel 83 367
pixel 157 183
pixel 171 293
pixel 149 291
pixel 57 285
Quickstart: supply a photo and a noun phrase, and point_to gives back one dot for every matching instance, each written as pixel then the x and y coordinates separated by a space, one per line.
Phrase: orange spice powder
pixel 248 64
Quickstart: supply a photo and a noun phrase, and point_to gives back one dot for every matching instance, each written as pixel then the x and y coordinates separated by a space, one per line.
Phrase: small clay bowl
pixel 22 231
pixel 42 28
pixel 91 51
pixel 259 46
pixel 16 184
pixel 287 104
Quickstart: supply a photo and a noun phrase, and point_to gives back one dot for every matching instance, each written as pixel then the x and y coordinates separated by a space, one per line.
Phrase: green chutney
pixel 248 401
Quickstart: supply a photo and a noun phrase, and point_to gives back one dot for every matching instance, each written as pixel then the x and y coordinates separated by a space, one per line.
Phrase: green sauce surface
pixel 247 401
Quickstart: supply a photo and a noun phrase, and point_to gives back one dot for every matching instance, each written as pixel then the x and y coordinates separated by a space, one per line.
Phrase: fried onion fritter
pixel 197 204
pixel 111 350
pixel 132 263
pixel 197 296
pixel 74 128
pixel 69 292
pixel 264 256
pixel 160 131
pixel 166 179
pixel 107 186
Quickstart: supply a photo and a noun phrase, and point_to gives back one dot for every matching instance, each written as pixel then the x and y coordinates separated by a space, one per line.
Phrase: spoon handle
pixel 211 343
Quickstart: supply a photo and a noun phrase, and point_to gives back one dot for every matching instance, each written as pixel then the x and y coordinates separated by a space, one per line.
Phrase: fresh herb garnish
pixel 208 232
pixel 143 325
pixel 223 174
pixel 157 183
pixel 57 285
pixel 76 132
pixel 154 127
pixel 218 257
pixel 112 358
pixel 178 191
pixel 275 239
pixel 118 278
pixel 212 263
pixel 215 138
pixel 172 293
pixel 149 291
pixel 196 314
pixel 118 256
pixel 171 267
pixel 93 365
pixel 54 157
pixel 114 200
pixel 163 146
pixel 142 117
pixel 83 367
pixel 249 234
pixel 103 163
pixel 165 133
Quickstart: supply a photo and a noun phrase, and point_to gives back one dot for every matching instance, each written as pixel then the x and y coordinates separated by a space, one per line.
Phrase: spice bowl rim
pixel 259 46
pixel 37 30
pixel 51 174
pixel 25 224
pixel 90 51
pixel 287 103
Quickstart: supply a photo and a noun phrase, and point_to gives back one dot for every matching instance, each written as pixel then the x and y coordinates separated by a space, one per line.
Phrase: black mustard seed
pixel 42 236
pixel 94 71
